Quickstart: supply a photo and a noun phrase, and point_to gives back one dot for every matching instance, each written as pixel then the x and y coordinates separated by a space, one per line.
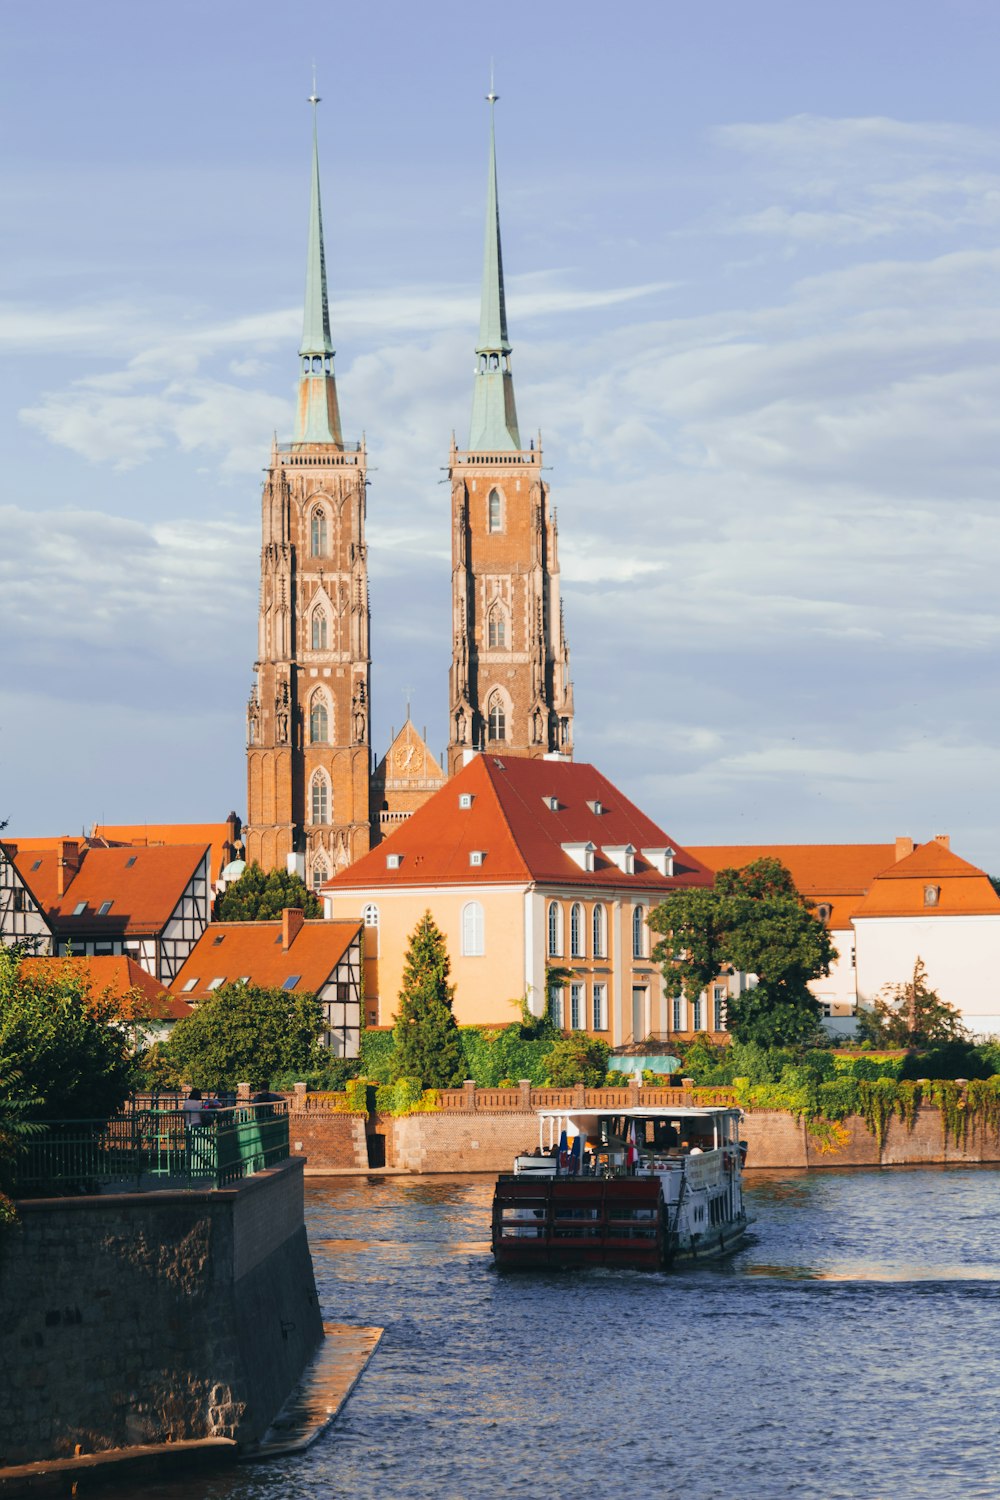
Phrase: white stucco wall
pixel 961 956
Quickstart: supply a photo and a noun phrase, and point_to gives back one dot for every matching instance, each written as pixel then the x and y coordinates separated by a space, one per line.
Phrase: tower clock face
pixel 404 755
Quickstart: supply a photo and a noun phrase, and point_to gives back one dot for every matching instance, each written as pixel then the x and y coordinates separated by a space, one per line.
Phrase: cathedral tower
pixel 510 683
pixel 308 757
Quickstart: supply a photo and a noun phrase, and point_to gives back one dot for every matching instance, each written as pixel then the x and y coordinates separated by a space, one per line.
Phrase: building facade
pixel 308 718
pixel 510 689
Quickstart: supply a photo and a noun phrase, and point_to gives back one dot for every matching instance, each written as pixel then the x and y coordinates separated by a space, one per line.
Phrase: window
pixel 497 718
pixel 600 1018
pixel 130 862
pixel 718 1010
pixel 600 932
pixel 472 930
pixel 576 930
pixel 370 915
pixel 932 895
pixel 393 861
pixel 191 984
pixel 555 929
pixel 104 908
pixel 696 1014
pixel 823 911
pixel 317 533
pixel 575 1006
pixel 319 722
pixel 497 628
pixel 320 799
pixel 217 940
pixel 319 629
pixel 38 865
pixel 639 932
pixel 556 1006
pixel 291 981
pixel 216 982
pixel 79 908
pixel 677 1020
pixel 17 899
pixel 319 875
pixel 465 800
pixel 495 511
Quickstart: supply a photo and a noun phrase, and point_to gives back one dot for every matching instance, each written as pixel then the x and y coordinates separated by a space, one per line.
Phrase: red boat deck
pixel 570 1221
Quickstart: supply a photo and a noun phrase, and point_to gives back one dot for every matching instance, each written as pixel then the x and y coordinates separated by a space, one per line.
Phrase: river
pixel 848 1352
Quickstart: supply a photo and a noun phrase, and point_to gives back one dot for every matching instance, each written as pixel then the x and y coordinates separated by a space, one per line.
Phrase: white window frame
pixel 473 930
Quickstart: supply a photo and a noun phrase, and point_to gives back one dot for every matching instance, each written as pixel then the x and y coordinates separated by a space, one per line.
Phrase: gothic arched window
pixel 319 628
pixel 472 930
pixel 599 932
pixel 497 627
pixel 576 930
pixel 320 875
pixel 497 718
pixel 555 930
pixel 639 932
pixel 496 512
pixel 320 798
pixel 319 722
pixel 317 533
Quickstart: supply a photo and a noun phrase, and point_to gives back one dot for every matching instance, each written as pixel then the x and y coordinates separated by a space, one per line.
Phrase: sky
pixel 752 258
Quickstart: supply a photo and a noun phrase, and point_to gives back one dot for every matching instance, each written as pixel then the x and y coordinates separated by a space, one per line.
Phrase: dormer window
pixel 662 859
pixel 476 856
pixel 581 854
pixel 823 911
pixel 596 807
pixel 622 855
pixel 393 861
pixel 932 895
pixel 465 800
pixel 552 803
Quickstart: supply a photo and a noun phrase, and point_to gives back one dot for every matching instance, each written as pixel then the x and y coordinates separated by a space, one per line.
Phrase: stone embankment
pixel 482 1130
pixel 136 1319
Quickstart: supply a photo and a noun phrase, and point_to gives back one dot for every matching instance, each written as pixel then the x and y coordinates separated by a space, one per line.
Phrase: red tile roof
pixel 143 886
pixel 253 950
pixel 143 835
pixel 834 875
pixel 520 835
pixel 962 889
pixel 114 974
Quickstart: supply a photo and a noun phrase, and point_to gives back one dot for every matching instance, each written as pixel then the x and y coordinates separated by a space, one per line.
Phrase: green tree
pixel 245 1033
pixel 67 1051
pixel 260 897
pixel 577 1059
pixel 426 1043
pixel 754 920
pixel 911 1015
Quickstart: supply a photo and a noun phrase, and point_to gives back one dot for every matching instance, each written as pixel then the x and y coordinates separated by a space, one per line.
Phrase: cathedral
pixel 316 802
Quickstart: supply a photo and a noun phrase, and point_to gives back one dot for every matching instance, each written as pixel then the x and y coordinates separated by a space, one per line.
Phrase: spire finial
pixel 314 98
pixel 492 96
pixel 494 417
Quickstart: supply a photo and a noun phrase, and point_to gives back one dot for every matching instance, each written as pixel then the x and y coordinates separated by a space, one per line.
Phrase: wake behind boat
pixel 639 1187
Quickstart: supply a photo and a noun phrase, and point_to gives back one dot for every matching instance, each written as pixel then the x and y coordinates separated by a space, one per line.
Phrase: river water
pixel 848 1352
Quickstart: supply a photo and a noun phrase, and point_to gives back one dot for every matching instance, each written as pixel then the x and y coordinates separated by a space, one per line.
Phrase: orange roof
pixel 959 888
pixel 141 835
pixel 833 875
pixel 114 974
pixel 523 812
pixel 229 951
pixel 142 885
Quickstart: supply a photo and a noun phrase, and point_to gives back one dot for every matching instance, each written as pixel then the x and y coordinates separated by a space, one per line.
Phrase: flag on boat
pixel 576 1154
pixel 563 1150
pixel 633 1147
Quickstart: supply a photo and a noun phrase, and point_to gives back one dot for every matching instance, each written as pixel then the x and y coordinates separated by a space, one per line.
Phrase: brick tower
pixel 510 686
pixel 308 757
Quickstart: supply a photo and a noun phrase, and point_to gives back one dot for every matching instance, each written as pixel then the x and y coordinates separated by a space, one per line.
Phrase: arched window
pixel 369 915
pixel 555 929
pixel 497 718
pixel 317 533
pixel 320 876
pixel 639 932
pixel 497 628
pixel 600 932
pixel 320 798
pixel 319 722
pixel 495 511
pixel 319 628
pixel 576 930
pixel 472 930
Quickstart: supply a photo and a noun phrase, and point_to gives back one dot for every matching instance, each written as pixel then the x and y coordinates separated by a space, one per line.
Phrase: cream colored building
pixel 527 865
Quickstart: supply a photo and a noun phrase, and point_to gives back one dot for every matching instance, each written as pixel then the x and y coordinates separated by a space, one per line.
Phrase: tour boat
pixel 640 1187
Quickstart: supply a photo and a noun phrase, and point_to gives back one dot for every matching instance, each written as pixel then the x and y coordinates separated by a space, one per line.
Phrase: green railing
pixel 153 1148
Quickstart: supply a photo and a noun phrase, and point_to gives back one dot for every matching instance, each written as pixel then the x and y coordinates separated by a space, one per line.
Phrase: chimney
pixel 9 849
pixel 67 864
pixel 292 920
pixel 944 839
pixel 903 848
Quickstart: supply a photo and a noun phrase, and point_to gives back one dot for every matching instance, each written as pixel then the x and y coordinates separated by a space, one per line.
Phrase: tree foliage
pixel 911 1015
pixel 754 920
pixel 260 897
pixel 63 1048
pixel 426 1043
pixel 577 1059
pixel 245 1033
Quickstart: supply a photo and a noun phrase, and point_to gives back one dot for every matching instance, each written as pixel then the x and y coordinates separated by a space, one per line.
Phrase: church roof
pixel 494 415
pixel 255 952
pixel 522 814
pixel 316 319
pixel 143 886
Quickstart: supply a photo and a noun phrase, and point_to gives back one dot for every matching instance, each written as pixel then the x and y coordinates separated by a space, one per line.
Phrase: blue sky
pixel 752 258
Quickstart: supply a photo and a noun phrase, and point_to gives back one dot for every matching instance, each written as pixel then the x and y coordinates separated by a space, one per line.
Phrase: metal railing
pixel 154 1148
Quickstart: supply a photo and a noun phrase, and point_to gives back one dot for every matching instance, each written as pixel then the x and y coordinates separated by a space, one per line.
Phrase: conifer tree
pixel 426 1040
pixel 259 896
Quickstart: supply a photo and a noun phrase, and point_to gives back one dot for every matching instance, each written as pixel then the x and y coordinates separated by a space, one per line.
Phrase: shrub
pixel 577 1059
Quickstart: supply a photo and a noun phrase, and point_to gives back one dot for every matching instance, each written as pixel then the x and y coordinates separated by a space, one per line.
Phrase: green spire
pixel 318 415
pixel 316 324
pixel 494 416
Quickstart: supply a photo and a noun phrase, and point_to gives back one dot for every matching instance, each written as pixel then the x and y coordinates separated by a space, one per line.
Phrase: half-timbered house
pixel 22 918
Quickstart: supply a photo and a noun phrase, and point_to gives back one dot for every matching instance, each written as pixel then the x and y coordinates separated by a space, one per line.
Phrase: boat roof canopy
pixel 641 1112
